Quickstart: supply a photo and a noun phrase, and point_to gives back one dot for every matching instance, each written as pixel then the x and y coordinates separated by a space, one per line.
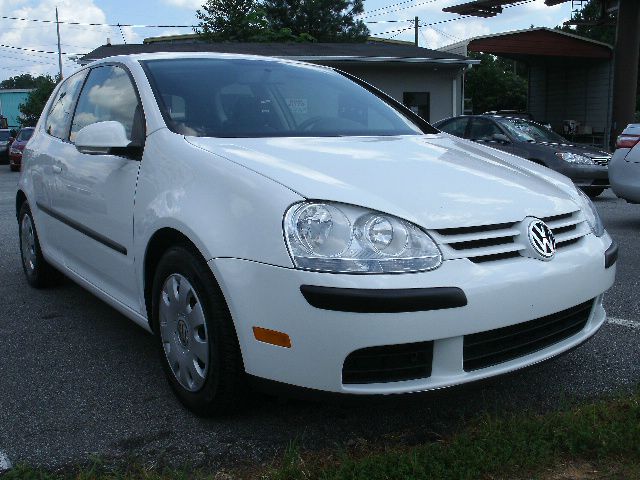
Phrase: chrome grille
pixel 486 243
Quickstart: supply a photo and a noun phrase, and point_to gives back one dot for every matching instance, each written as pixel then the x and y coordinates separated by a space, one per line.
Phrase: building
pixel 10 100
pixel 570 78
pixel 427 81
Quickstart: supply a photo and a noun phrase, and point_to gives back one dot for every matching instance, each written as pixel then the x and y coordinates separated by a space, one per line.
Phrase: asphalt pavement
pixel 79 381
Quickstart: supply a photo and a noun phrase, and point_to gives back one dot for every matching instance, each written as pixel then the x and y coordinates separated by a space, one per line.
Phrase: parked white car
pixel 274 221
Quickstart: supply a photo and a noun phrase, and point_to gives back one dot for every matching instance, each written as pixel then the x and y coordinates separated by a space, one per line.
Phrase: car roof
pixel 139 57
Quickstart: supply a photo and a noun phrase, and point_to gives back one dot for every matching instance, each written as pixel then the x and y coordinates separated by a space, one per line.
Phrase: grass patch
pixel 604 435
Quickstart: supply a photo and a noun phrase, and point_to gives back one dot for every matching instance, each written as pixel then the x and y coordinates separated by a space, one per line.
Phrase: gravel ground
pixel 78 380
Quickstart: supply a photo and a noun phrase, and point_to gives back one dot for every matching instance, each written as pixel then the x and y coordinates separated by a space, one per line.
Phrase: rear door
pixel 94 196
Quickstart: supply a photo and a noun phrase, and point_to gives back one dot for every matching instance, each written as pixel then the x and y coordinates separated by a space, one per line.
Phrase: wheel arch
pixel 537 161
pixel 161 241
pixel 21 198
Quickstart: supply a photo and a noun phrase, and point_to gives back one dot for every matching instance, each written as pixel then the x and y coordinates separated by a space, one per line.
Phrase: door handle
pixel 56 169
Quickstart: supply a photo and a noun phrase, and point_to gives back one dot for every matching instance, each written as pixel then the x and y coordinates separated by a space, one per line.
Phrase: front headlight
pixel 575 158
pixel 340 238
pixel 590 213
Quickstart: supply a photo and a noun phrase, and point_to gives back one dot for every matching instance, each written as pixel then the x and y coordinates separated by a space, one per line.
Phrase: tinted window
pixel 108 95
pixel 57 123
pixel 456 127
pixel 527 131
pixel 262 98
pixel 25 134
pixel 483 129
pixel 4 135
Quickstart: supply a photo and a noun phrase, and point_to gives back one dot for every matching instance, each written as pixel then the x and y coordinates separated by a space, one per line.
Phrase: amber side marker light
pixel 272 337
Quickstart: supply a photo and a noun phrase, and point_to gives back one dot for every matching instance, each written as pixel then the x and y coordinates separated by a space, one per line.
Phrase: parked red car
pixel 15 151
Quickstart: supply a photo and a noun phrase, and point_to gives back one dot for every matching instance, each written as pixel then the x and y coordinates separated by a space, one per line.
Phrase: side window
pixel 57 123
pixel 109 95
pixel 456 127
pixel 483 129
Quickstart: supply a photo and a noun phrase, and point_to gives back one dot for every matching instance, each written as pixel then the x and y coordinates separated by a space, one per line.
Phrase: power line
pixel 391 6
pixel 5 17
pixel 455 19
pixel 38 51
pixel 400 30
pixel 399 9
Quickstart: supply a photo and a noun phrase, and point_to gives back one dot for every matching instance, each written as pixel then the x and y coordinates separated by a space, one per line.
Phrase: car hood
pixel 436 181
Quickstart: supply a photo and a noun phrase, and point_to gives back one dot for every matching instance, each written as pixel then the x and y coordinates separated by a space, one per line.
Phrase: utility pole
pixel 59 51
pixel 416 24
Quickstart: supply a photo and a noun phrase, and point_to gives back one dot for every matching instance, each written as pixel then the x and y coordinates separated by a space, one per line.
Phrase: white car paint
pixel 229 196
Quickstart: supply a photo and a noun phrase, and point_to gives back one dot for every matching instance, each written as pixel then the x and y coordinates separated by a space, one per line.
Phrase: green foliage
pixel 493 85
pixel 325 20
pixel 281 21
pixel 33 106
pixel 600 33
pixel 20 81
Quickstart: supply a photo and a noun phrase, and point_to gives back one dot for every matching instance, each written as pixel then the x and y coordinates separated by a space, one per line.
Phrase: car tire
pixel 38 271
pixel 593 192
pixel 196 338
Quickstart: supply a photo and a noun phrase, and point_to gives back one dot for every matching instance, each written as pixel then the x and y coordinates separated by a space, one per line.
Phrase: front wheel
pixel 37 270
pixel 196 338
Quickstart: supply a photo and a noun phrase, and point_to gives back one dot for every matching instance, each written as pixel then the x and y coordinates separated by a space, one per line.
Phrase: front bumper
pixel 499 294
pixel 586 175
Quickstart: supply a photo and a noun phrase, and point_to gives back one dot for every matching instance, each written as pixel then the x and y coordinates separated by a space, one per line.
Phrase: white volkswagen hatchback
pixel 288 224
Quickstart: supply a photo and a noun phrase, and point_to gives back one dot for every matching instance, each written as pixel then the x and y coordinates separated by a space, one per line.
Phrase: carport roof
pixel 314 52
pixel 535 42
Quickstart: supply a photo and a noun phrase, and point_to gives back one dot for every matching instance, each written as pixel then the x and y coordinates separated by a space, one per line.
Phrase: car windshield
pixel 25 134
pixel 527 131
pixel 4 135
pixel 267 98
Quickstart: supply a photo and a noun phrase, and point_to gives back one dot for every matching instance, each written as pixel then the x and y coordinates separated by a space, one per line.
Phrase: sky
pixel 80 39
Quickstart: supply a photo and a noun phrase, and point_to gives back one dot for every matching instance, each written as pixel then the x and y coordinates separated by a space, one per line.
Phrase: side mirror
pixel 104 138
pixel 500 137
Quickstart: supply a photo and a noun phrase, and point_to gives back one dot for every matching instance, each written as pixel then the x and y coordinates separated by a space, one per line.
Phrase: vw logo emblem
pixel 542 239
pixel 183 332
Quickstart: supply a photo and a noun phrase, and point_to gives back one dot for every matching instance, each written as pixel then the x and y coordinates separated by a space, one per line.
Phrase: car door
pixel 94 195
pixel 455 126
pixel 488 132
pixel 50 147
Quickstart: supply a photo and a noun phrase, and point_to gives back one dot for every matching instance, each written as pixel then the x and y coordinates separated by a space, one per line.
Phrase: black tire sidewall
pixel 37 277
pixel 216 395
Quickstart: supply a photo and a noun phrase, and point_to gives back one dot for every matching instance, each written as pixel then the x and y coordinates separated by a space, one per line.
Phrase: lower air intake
pixel 389 363
pixel 492 347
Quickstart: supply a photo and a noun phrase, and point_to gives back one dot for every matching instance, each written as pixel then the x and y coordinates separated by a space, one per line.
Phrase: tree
pixel 591 13
pixel 325 20
pixel 19 81
pixel 33 106
pixel 240 21
pixel 281 20
pixel 493 85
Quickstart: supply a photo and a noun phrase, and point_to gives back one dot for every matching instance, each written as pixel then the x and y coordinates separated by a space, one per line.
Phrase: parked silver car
pixel 624 171
pixel 585 165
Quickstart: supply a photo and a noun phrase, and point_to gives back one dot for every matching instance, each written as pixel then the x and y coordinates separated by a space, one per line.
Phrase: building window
pixel 418 102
